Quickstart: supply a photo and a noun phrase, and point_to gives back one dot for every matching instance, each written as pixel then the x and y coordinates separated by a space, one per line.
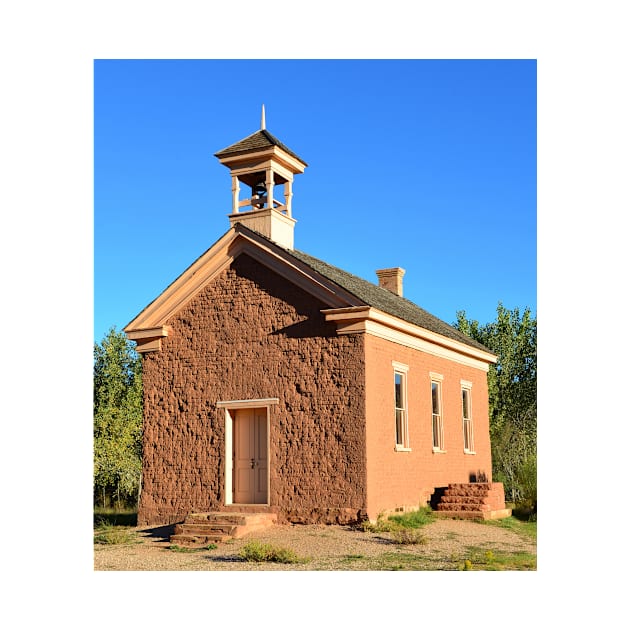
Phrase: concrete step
pixel 199 529
pixel 232 517
pixel 197 540
pixel 205 528
pixel 216 517
pixel 247 509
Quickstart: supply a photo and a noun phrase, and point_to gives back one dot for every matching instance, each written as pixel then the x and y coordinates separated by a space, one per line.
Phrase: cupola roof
pixel 260 139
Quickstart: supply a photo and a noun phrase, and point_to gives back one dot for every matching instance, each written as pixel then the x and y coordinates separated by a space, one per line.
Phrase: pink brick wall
pixel 405 479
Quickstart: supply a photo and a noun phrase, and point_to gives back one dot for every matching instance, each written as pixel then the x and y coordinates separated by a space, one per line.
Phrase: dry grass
pixel 444 545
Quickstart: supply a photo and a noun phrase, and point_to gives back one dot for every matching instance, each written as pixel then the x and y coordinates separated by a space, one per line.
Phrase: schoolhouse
pixel 277 383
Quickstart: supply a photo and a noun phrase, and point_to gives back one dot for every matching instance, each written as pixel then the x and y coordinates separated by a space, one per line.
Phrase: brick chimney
pixel 391 279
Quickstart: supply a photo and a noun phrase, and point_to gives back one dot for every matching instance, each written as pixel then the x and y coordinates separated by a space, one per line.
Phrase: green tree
pixel 512 393
pixel 117 420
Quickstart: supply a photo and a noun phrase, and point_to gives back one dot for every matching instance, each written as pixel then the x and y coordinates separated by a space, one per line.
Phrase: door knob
pixel 253 462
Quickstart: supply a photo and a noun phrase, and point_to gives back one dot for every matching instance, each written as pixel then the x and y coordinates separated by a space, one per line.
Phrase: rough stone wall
pixel 250 334
pixel 403 479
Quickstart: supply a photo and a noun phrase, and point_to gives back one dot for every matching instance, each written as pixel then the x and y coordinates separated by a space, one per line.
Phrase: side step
pixel 481 501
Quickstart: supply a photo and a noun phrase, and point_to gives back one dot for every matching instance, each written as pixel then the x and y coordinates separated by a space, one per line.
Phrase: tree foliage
pixel 117 419
pixel 512 393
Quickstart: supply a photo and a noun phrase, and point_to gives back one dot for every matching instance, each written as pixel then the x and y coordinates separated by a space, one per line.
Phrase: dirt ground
pixel 447 544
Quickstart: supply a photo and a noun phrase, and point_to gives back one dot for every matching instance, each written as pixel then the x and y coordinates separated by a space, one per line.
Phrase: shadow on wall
pixel 437 495
pixel 302 330
pixel 478 477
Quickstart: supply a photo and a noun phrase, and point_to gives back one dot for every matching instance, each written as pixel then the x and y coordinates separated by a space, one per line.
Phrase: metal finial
pixel 262 118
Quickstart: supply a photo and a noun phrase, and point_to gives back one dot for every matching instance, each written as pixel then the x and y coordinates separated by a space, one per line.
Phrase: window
pixel 400 407
pixel 469 445
pixel 437 421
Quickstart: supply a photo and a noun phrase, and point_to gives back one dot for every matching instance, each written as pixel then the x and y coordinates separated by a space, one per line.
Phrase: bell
pixel 259 189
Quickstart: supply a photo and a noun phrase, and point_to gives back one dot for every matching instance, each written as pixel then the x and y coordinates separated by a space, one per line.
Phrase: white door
pixel 250 456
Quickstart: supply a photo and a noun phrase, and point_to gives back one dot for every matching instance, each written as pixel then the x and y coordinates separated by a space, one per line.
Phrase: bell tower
pixel 263 165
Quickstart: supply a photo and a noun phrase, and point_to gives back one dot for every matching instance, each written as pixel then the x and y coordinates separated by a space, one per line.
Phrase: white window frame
pixel 400 369
pixel 467 422
pixel 437 419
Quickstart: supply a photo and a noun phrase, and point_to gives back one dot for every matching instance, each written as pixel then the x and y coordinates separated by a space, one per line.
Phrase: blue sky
pixel 424 164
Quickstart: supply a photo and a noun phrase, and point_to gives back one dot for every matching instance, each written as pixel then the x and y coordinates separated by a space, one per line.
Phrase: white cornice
pixel 147 333
pixel 274 152
pixel 400 367
pixel 263 164
pixel 149 339
pixel 247 404
pixel 372 321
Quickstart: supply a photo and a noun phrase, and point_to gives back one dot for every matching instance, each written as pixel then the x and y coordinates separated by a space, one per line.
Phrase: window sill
pixel 402 449
pixel 469 452
pixel 438 450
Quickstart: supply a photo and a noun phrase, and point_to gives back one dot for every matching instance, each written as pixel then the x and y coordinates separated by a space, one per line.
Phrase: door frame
pixel 231 407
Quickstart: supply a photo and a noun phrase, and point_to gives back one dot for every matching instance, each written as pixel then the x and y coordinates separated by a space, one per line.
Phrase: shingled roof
pixel 386 301
pixel 260 139
pixel 380 298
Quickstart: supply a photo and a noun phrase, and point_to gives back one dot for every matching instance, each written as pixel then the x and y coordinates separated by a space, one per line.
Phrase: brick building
pixel 276 382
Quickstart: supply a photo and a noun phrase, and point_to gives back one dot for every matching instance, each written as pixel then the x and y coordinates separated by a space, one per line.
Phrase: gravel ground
pixel 328 547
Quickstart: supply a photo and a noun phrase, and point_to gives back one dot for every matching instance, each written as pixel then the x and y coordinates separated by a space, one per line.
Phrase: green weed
pixel 408 536
pixel 396 522
pixel 394 561
pixel 489 560
pixel 256 551
pixel 381 525
pixel 413 520
pixel 179 549
pixel 114 535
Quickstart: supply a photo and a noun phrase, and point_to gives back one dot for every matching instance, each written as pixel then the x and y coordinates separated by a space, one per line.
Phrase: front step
pixel 201 529
pixel 197 540
pixel 483 501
